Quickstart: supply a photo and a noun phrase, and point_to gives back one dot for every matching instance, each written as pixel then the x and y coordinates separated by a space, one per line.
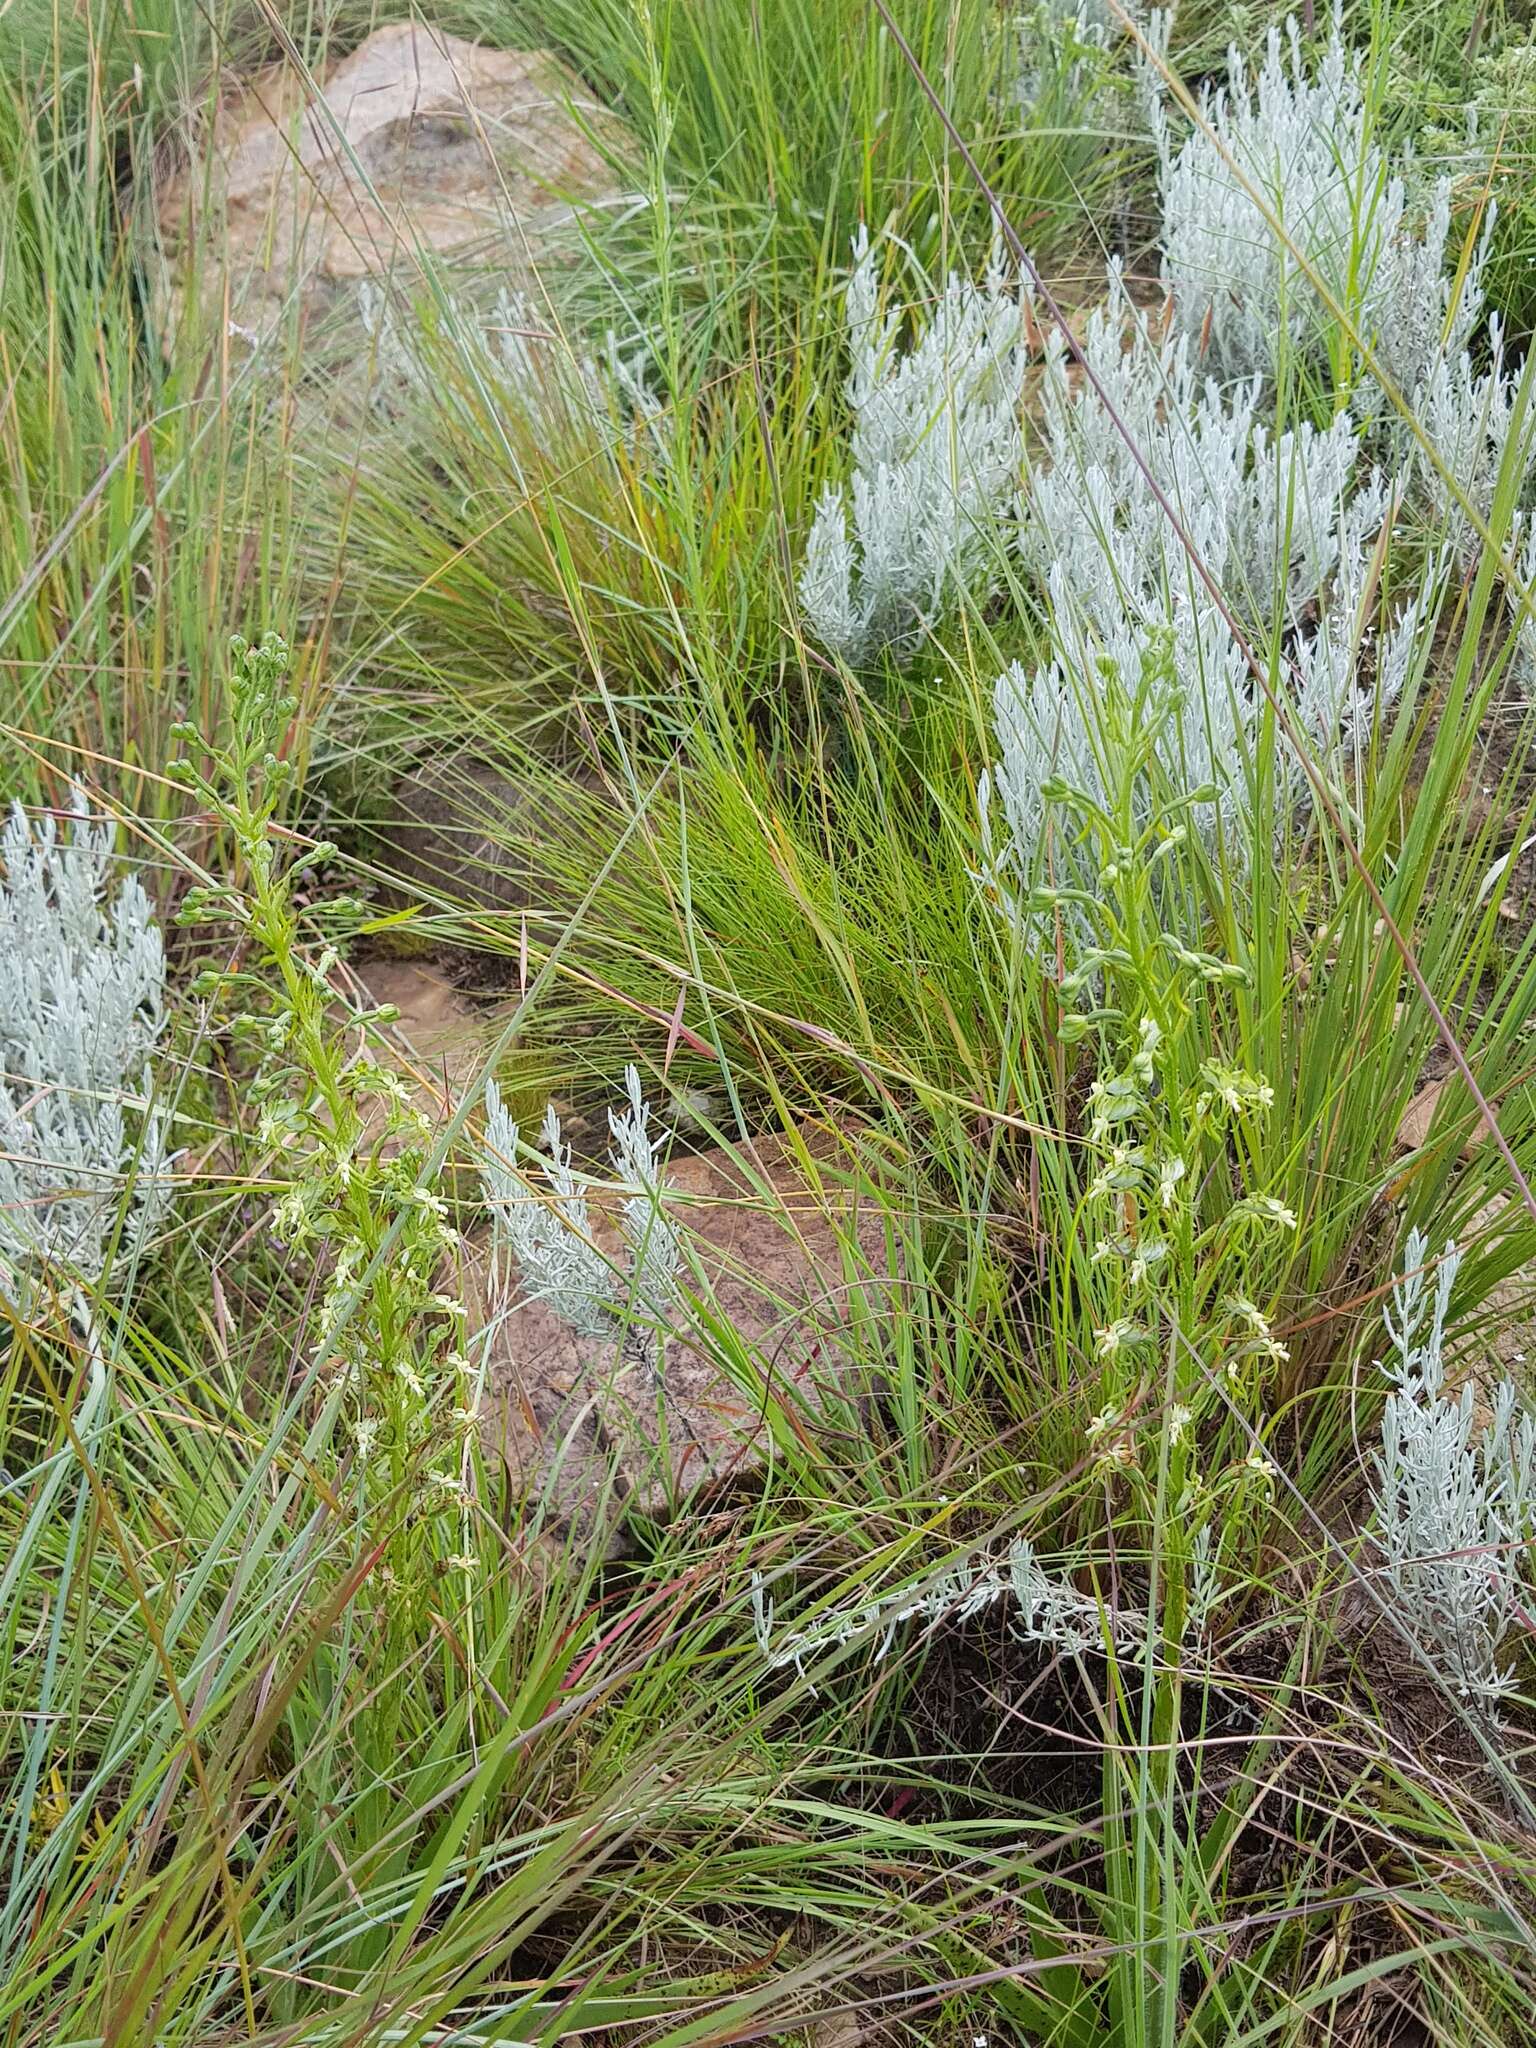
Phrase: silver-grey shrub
pixel 1379 239
pixel 936 454
pixel 1468 406
pixel 1046 1608
pixel 1062 52
pixel 1275 519
pixel 1301 137
pixel 1454 1504
pixel 82 1009
pixel 1286 526
pixel 549 1234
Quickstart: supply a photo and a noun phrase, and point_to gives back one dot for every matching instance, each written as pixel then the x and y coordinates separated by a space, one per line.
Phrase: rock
pixel 467 832
pixel 585 1429
pixel 422 140
pixel 439 1042
pixel 1506 1316
pixel 840 2030
pixel 1413 1131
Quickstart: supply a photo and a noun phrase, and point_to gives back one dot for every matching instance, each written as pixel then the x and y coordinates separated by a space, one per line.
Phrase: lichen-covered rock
pixel 419 140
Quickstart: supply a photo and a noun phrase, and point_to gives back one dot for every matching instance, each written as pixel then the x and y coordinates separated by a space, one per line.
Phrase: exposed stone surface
pixel 439 1040
pixel 467 832
pixel 422 140
pixel 1506 1320
pixel 1413 1131
pixel 567 1411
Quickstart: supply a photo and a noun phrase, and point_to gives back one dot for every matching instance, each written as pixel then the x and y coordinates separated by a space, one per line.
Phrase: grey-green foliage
pixel 1301 137
pixel 1481 121
pixel 1285 524
pixel 1453 1504
pixel 1297 141
pixel 1063 51
pixel 1046 1608
pixel 937 449
pixel 82 1008
pixel 550 1235
pixel 1274 518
